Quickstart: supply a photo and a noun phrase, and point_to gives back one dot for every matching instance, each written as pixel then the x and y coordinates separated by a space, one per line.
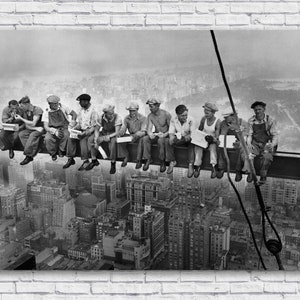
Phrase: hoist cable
pixel 242 205
pixel 273 245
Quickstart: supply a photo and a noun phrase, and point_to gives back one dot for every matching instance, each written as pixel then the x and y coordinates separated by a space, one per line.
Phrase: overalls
pixel 260 138
pixel 57 119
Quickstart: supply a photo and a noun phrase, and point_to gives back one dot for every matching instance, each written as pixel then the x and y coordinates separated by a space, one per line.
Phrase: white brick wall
pixel 149 14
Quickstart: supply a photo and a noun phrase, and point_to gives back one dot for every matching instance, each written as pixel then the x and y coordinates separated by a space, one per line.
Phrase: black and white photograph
pixel 149 150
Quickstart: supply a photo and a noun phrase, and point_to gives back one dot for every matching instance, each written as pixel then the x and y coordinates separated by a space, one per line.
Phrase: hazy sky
pixel 73 53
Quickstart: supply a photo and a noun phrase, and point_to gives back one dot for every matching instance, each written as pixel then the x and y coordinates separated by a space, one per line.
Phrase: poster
pixel 131 220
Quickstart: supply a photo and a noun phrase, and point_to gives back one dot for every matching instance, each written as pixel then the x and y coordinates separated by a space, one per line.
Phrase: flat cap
pixel 132 106
pixel 228 112
pixel 258 103
pixel 53 99
pixel 153 101
pixel 108 107
pixel 210 106
pixel 84 97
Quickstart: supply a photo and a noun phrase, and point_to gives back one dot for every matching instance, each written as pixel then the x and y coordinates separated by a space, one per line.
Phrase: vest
pixel 57 119
pixel 108 127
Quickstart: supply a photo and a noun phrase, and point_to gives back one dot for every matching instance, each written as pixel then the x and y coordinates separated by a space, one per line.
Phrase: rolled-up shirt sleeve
pixel 94 118
pixel 45 116
pixel 172 128
pixel 5 115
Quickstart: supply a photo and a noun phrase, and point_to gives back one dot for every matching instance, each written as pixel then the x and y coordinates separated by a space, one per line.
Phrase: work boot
pixel 213 173
pixel 190 171
pixel 220 173
pixel 84 165
pixel 124 163
pixel 250 177
pixel 171 167
pixel 61 153
pixel 197 171
pixel 92 164
pixel 11 153
pixel 262 180
pixel 112 168
pixel 163 166
pixel 147 164
pixel 138 164
pixel 238 176
pixel 26 161
pixel 69 163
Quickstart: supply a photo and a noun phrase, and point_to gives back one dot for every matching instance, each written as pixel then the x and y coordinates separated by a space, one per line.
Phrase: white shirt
pixel 181 129
pixel 87 118
pixel 211 130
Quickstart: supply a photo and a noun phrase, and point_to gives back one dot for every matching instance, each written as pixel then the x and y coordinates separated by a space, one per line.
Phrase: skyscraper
pixel 147 190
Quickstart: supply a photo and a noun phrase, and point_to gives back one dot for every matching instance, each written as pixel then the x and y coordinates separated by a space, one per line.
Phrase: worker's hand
pixel 152 136
pixel 59 133
pixel 209 139
pixel 121 132
pixel 250 147
pixel 72 124
pixel 269 147
pixel 187 138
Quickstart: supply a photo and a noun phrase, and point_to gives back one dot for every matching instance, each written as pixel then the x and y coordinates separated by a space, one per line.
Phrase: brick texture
pixel 149 14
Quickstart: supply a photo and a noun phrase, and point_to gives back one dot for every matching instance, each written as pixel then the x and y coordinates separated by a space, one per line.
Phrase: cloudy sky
pixel 83 53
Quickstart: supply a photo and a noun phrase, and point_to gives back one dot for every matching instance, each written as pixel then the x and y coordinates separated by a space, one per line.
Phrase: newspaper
pixel 198 138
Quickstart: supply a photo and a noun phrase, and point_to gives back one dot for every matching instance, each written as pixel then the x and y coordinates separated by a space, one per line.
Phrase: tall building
pixel 71 178
pixel 18 175
pixel 98 186
pixel 199 243
pixel 285 191
pixel 219 244
pixel 147 190
pixel 178 237
pixel 154 229
pixel 63 211
pixel 72 232
pixel 87 230
pixel 19 230
pixel 12 201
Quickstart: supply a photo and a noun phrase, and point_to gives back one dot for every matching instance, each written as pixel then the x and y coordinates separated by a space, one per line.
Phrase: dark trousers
pixel 8 139
pixel 111 146
pixel 123 149
pixel 170 154
pixel 53 144
pixel 162 143
pixel 30 140
pixel 84 147
pixel 222 164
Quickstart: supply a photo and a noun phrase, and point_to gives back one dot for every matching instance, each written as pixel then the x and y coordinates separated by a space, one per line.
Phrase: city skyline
pixel 137 220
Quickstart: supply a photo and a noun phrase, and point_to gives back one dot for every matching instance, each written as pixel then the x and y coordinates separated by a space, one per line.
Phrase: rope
pixel 274 246
pixel 242 205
